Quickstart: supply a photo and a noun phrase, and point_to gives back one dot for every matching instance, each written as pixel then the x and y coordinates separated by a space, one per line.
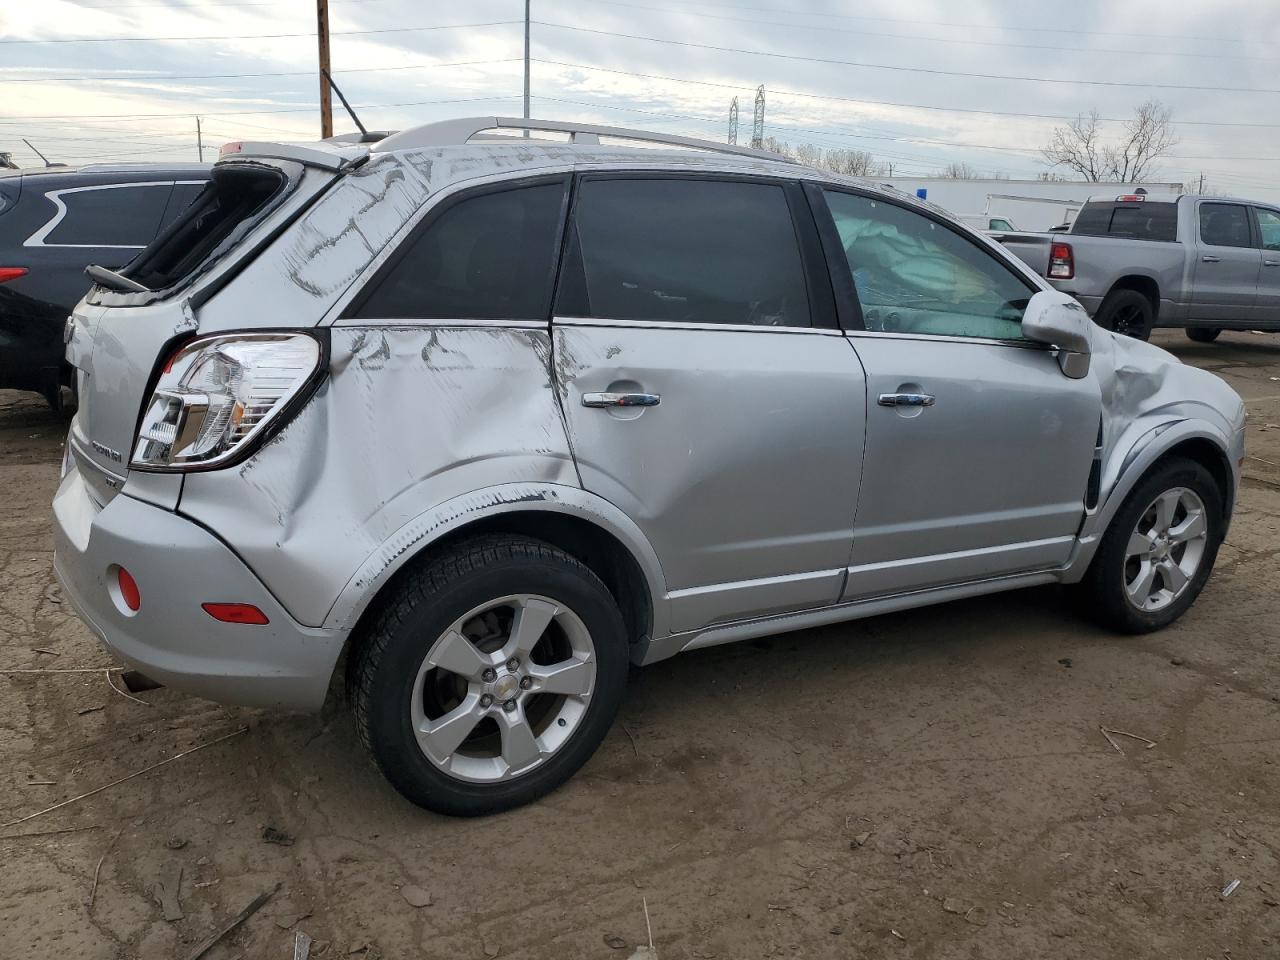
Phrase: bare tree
pixel 1079 146
pixel 958 170
pixel 853 163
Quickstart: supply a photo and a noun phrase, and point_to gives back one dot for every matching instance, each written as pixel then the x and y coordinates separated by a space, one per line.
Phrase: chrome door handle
pixel 1211 259
pixel 621 399
pixel 1271 263
pixel 906 400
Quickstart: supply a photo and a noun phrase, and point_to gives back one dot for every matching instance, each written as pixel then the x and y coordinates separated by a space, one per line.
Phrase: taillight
pixel 1062 263
pixel 219 392
pixel 12 273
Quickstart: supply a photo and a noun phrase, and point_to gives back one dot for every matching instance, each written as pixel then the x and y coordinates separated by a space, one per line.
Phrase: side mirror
pixel 1059 320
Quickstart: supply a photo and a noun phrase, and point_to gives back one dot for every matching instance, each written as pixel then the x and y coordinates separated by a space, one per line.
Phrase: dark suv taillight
pixel 1062 263
pixel 12 273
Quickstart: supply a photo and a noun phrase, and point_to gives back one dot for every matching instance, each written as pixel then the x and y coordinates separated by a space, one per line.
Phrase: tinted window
pixel 487 257
pixel 1001 225
pixel 111 216
pixel 1134 221
pixel 1269 224
pixel 914 275
pixel 695 251
pixel 1224 225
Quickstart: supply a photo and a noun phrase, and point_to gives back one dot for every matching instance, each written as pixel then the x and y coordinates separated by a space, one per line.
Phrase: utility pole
pixel 199 140
pixel 733 121
pixel 1201 190
pixel 526 64
pixel 757 128
pixel 326 99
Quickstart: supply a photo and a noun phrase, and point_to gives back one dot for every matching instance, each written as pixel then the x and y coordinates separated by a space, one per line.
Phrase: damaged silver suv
pixel 472 422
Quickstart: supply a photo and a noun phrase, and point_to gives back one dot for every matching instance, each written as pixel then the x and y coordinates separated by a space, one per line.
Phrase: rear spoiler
pixel 326 155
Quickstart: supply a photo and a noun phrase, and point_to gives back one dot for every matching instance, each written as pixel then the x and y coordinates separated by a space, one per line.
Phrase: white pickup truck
pixel 1136 262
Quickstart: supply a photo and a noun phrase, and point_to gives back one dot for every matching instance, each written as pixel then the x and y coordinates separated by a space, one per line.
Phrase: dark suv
pixel 54 223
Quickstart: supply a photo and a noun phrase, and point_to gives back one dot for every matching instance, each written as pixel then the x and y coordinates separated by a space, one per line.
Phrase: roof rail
pixel 464 129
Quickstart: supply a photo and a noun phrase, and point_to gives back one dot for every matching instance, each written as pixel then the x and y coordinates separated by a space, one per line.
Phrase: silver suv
pixel 473 422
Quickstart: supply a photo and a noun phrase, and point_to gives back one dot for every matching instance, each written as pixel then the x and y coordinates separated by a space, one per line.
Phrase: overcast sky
pixel 897 78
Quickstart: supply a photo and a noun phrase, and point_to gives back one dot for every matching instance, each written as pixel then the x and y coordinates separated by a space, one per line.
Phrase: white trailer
pixel 1030 205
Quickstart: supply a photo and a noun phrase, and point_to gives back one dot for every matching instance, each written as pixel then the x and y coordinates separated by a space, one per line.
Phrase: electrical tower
pixel 757 128
pixel 733 121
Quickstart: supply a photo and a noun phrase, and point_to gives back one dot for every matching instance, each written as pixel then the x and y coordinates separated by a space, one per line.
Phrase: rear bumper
pixel 1090 303
pixel 177 566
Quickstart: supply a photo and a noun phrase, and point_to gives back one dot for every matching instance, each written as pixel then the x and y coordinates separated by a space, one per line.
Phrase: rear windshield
pixel 234 200
pixel 1132 221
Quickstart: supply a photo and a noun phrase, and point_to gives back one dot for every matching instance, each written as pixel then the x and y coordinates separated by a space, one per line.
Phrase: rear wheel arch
pixel 1143 285
pixel 603 552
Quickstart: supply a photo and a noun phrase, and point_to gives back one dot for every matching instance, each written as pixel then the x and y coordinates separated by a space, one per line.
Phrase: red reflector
pixel 235 612
pixel 128 589
pixel 12 273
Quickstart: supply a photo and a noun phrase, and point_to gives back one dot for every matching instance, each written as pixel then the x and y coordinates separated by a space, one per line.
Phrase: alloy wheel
pixel 503 688
pixel 1165 549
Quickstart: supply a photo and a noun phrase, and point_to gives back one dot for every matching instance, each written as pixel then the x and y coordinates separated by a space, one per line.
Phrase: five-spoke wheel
pixel 489 674
pixel 1159 549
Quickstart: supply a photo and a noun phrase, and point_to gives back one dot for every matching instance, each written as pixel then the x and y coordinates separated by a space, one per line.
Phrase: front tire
pixel 1203 334
pixel 1157 555
pixel 489 675
pixel 1127 312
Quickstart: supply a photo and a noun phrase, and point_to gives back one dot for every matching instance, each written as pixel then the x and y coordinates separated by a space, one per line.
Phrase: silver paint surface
pixel 744 497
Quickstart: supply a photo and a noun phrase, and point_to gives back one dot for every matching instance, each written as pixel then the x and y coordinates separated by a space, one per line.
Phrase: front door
pixel 978 449
pixel 1227 264
pixel 707 390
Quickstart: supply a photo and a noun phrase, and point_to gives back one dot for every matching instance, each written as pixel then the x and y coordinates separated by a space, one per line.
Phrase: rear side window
pixel 110 216
pixel 689 251
pixel 486 257
pixel 1132 221
pixel 181 198
pixel 1224 225
pixel 223 211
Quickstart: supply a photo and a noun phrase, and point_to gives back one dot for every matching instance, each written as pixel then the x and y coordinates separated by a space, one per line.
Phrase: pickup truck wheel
pixel 1158 552
pixel 1127 312
pixel 489 676
pixel 1203 334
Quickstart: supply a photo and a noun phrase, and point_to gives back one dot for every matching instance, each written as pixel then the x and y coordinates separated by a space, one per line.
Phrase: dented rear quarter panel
pixel 408 418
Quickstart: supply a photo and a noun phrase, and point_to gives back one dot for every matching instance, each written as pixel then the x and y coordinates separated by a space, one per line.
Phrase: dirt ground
pixel 931 784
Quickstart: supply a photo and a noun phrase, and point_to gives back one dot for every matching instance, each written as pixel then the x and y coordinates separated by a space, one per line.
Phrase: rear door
pixel 707 390
pixel 1268 305
pixel 978 449
pixel 1228 263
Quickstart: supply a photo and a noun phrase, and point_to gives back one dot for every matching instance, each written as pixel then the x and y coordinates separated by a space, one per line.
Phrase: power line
pixel 16 119
pixel 140 78
pixel 965 26
pixel 274 36
pixel 898 69
pixel 951 40
pixel 883 103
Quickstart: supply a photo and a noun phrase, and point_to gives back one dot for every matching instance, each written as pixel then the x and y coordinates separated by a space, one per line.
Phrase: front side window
pixel 110 216
pixel 486 257
pixel 914 275
pixel 1224 225
pixel 1269 224
pixel 685 251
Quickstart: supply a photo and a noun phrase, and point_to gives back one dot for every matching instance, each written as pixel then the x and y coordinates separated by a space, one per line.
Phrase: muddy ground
pixel 924 785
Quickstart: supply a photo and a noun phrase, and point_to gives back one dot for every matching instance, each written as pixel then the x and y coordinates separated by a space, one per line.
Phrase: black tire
pixel 1203 334
pixel 425 602
pixel 1127 312
pixel 1103 589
